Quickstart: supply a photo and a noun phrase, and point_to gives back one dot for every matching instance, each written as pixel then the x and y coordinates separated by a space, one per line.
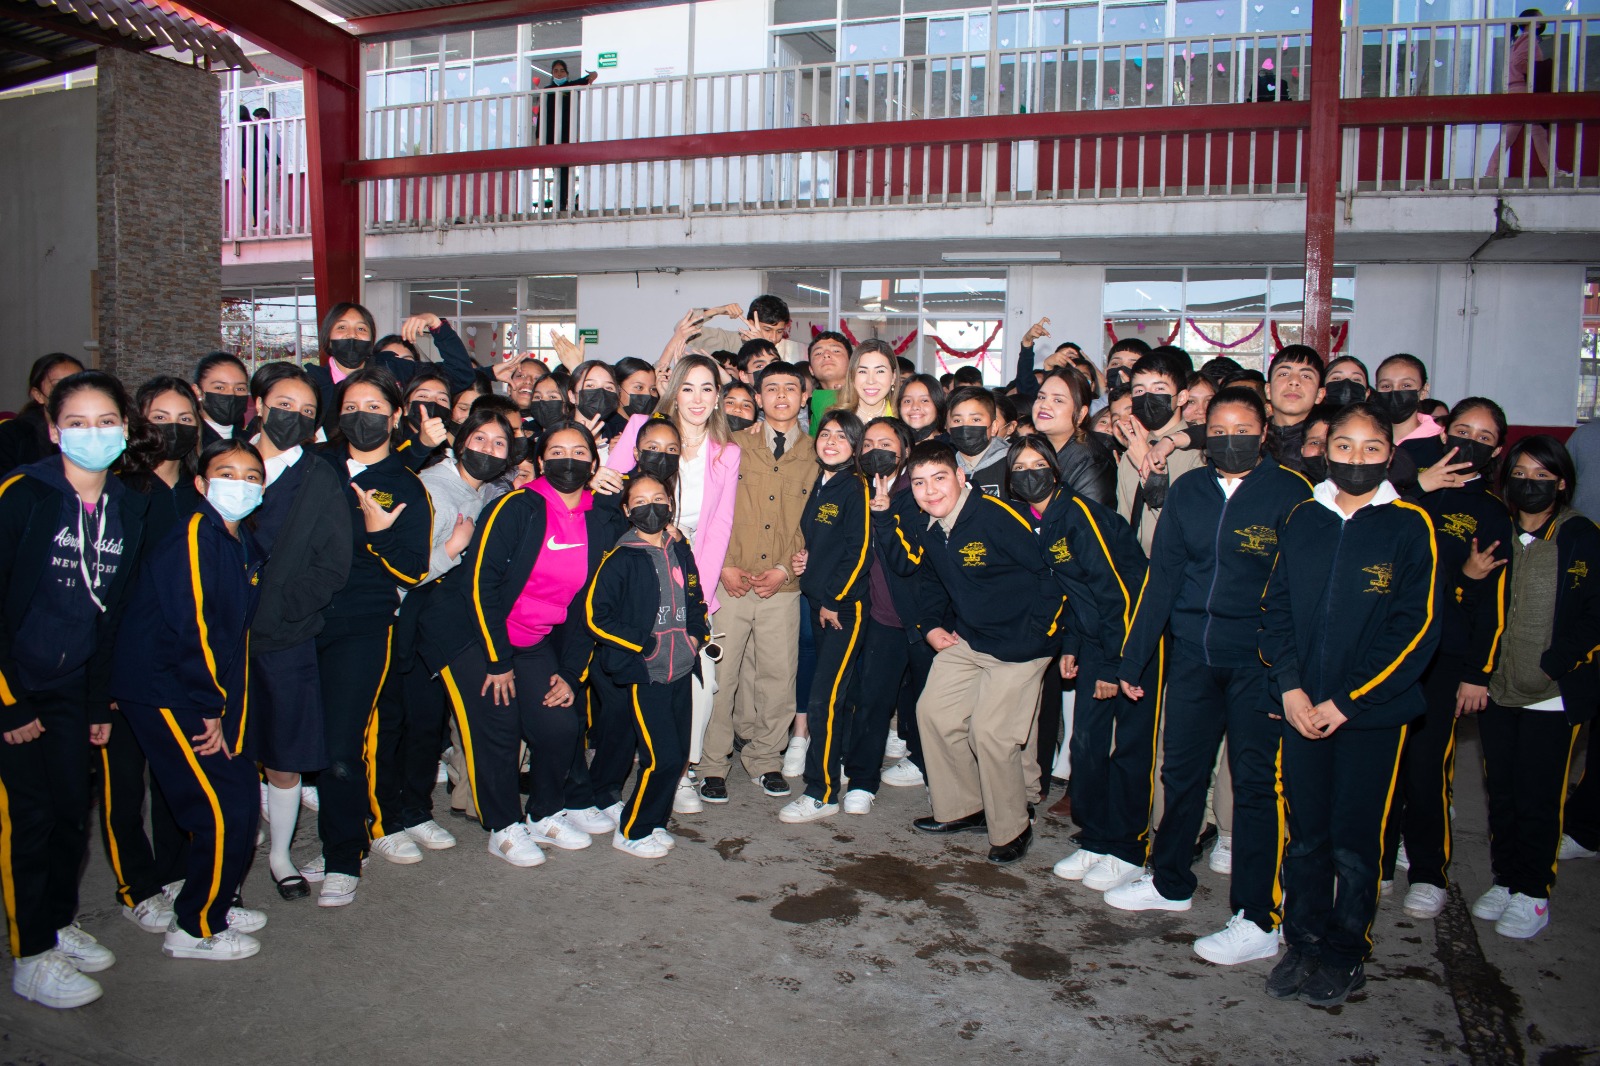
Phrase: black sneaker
pixel 1208 837
pixel 739 742
pixel 772 783
pixel 1291 973
pixel 1332 984
pixel 714 790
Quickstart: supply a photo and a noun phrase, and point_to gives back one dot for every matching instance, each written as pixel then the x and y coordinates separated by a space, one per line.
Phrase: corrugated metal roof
pixel 165 22
pixel 45 37
pixel 357 9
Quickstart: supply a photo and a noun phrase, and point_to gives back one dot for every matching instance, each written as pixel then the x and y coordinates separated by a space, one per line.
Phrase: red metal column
pixel 1322 162
pixel 333 141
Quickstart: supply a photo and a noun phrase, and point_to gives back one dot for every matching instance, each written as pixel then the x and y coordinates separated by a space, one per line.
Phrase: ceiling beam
pixel 286 29
pixel 486 12
pixel 9 43
pixel 12 79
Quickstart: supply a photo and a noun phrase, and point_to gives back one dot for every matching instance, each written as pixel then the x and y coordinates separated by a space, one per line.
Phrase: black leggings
pixel 411 721
pixel 1527 756
pixel 353 666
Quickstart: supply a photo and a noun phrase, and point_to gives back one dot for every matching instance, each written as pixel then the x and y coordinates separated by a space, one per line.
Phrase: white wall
pixel 1506 331
pixel 1071 297
pixel 635 313
pixel 47 215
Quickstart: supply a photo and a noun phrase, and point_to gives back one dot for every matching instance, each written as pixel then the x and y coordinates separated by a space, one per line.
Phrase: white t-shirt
pixel 691 493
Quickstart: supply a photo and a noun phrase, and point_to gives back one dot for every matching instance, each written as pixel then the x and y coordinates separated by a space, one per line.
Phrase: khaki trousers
pixel 760 644
pixel 975 715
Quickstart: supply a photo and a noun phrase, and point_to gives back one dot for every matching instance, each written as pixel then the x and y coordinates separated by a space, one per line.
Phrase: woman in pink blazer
pixel 707 482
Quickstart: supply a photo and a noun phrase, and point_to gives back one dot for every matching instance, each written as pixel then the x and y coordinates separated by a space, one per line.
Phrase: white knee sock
pixel 283 810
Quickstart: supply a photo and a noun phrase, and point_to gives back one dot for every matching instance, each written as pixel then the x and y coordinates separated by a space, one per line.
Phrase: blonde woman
pixel 869 386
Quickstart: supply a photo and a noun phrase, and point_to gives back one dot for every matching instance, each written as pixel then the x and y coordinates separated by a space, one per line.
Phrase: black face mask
pixel 286 429
pixel 516 451
pixel 1117 377
pixel 596 403
pixel 451 428
pixel 1399 404
pixel 422 410
pixel 1034 485
pixel 922 433
pixel 1316 467
pixel 834 468
pixel 1529 496
pixel 367 431
pixel 1152 410
pixel 1357 479
pixel 879 462
pixel 224 409
pixel 568 475
pixel 650 517
pixel 548 412
pixel 1155 490
pixel 659 465
pixel 481 466
pixel 739 423
pixel 1234 453
pixel 177 439
pixel 350 352
pixel 969 440
pixel 640 403
pixel 1107 441
pixel 1470 451
pixel 1344 392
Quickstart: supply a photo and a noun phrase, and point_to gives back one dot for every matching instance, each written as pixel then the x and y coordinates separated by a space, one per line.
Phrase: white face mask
pixel 233 499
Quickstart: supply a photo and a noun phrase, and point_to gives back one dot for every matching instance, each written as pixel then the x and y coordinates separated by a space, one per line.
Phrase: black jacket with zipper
pixel 620 610
pixel 837 526
pixel 311 556
pixel 383 561
pixel 1097 562
pixel 1472 614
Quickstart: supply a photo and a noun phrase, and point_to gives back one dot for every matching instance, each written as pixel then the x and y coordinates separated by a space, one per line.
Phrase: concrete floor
pixel 857 940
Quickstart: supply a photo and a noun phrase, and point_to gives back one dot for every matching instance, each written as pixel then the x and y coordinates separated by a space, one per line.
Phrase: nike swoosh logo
pixel 556 546
pixel 1542 911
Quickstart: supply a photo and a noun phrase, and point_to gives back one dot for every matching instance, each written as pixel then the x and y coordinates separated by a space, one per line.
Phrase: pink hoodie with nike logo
pixel 559 573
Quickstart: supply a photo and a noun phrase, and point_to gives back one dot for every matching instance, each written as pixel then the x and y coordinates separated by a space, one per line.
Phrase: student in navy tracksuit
pixel 1545 684
pixel 1209 563
pixel 391 526
pixel 345 342
pixel 1467 515
pixel 70 535
pixel 893 642
pixel 1097 562
pixel 1348 629
pixel 647 612
pixel 836 524
pixel 180 680
pixel 1003 615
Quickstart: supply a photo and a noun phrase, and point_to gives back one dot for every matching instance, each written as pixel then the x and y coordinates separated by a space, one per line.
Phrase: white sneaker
pixel 665 837
pixel 312 871
pixel 903 774
pixel 310 799
pixel 1074 866
pixel 1141 894
pixel 1385 887
pixel 686 798
pixel 794 759
pixel 557 831
pixel 1241 940
pixel 613 814
pixel 1402 861
pixel 441 776
pixel 230 945
pixel 246 919
pixel 858 801
pixel 170 890
pixel 1424 901
pixel 515 844
pixel 50 980
pixel 650 847
pixel 338 890
pixel 153 915
pixel 431 835
pixel 1571 849
pixel 398 848
pixel 85 953
pixel 1221 860
pixel 1110 872
pixel 896 748
pixel 805 809
pixel 1524 917
pixel 590 820
pixel 1492 904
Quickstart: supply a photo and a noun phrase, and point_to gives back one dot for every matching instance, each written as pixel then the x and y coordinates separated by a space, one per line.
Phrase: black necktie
pixel 777 445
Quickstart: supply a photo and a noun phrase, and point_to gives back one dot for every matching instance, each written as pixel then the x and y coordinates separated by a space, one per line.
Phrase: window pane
pixel 567 33
pixel 559 293
pixel 871 9
pixel 1272 17
pixel 879 292
pixel 457 82
pixel 457 46
pixel 787 12
pixel 497 42
pixel 872 40
pixel 406 87
pixel 1132 292
pixel 934 5
pixel 945 295
pixel 420 50
pixel 802 290
pixel 436 296
pixel 1226 292
pixel 488 296
pixel 1209 18
pixel 499 76
pixel 1136 23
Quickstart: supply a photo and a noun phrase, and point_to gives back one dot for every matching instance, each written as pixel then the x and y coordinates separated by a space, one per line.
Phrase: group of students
pixel 1258 601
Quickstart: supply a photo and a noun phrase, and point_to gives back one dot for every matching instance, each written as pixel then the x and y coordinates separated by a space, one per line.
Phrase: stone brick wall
pixel 159 189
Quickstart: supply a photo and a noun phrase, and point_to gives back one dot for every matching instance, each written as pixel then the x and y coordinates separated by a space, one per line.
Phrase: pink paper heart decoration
pixel 1266 64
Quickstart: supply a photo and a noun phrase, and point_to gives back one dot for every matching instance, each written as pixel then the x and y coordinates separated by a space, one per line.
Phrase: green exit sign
pixel 608 59
pixel 589 336
pixel 608 55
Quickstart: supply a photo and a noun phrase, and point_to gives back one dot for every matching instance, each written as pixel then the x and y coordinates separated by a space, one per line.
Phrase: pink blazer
pixel 716 510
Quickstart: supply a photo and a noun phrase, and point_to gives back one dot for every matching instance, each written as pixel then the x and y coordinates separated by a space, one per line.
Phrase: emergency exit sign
pixel 589 336
pixel 608 59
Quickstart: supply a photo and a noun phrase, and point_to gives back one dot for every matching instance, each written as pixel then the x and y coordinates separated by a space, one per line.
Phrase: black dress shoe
pixel 772 783
pixel 1290 975
pixel 739 742
pixel 972 823
pixel 1331 984
pixel 292 887
pixel 1001 854
pixel 714 790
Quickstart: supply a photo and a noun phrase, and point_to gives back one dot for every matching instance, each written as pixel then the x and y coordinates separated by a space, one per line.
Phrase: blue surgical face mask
pixel 233 499
pixel 93 447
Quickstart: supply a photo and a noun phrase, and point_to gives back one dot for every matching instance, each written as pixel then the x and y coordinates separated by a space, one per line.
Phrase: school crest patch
pixel 827 513
pixel 1257 540
pixel 383 499
pixel 1060 552
pixel 1381 573
pixel 1579 570
pixel 1460 526
pixel 973 553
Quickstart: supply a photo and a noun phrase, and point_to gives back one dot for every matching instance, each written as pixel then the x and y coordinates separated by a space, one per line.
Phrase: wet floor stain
pixel 730 848
pixel 834 903
pixel 1036 962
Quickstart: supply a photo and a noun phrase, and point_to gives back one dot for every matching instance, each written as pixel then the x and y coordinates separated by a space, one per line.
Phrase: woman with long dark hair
pixel 26 438
pixel 1061 414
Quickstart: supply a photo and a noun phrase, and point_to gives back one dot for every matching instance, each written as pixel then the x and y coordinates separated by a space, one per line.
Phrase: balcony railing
pixel 265 176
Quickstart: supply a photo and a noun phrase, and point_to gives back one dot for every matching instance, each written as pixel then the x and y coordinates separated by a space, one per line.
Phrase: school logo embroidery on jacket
pixel 827 513
pixel 1258 540
pixel 1460 526
pixel 383 499
pixel 1579 570
pixel 972 554
pixel 1381 573
pixel 1059 552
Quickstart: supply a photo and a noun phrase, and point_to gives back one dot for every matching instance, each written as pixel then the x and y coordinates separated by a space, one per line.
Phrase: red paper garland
pixel 1341 333
pixel 900 345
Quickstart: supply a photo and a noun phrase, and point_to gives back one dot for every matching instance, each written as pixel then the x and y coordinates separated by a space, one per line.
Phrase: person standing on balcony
pixel 557 119
pixel 1526 53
